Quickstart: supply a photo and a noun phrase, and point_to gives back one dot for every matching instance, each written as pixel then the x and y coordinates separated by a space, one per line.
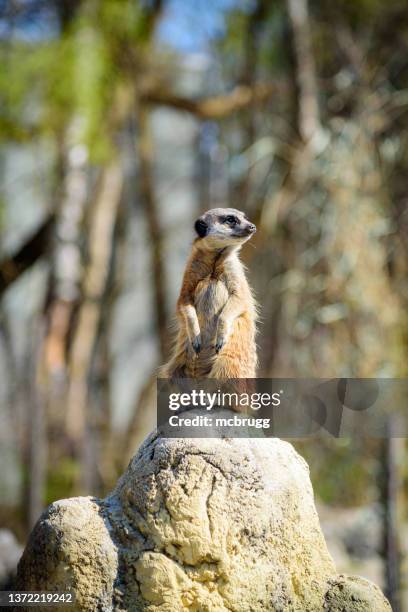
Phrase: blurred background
pixel 120 122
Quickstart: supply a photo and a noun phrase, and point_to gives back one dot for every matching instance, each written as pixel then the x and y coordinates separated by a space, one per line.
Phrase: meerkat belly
pixel 210 298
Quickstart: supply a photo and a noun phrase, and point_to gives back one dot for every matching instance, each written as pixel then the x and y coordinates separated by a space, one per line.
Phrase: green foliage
pixel 20 95
pixel 122 22
pixel 93 81
pixel 273 52
pixel 364 12
pixel 62 479
pixel 56 99
pixel 2 212
pixel 73 76
pixel 344 473
pixel 270 39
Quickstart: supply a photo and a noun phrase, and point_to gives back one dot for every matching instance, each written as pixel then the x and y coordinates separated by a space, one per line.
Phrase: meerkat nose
pixel 252 228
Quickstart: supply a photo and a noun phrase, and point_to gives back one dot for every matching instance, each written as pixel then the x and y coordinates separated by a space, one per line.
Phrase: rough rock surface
pixel 70 548
pixel 354 593
pixel 200 525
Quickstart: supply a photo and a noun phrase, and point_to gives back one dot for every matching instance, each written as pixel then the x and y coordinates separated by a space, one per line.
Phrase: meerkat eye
pixel 231 220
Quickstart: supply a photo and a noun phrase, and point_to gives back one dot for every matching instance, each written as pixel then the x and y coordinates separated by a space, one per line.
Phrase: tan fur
pixel 216 307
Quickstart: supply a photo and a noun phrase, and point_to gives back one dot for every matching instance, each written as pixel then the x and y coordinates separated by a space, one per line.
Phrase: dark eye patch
pixel 231 220
pixel 201 228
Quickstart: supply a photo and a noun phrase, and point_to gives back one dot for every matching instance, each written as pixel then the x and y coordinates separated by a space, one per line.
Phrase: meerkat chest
pixel 210 296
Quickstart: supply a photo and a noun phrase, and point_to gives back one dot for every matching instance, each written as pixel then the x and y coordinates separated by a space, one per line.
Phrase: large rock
pixel 202 525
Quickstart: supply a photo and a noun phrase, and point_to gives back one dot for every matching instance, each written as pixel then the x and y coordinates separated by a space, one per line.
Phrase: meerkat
pixel 216 311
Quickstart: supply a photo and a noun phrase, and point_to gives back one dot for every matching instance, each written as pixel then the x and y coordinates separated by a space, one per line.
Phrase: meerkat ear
pixel 201 228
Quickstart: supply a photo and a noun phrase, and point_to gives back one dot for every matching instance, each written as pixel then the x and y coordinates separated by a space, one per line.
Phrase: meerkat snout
pixel 221 227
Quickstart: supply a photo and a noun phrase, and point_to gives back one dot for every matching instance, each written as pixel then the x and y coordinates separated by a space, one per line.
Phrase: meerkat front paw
pixel 222 335
pixel 196 344
pixel 219 344
pixel 220 341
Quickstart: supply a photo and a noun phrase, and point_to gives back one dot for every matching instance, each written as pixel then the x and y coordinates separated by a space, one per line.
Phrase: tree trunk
pixel 391 484
pixel 144 147
pixel 101 231
pixel 305 69
pixel 36 438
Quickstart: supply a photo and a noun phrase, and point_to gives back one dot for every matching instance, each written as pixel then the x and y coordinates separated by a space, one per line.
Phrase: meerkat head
pixel 222 227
